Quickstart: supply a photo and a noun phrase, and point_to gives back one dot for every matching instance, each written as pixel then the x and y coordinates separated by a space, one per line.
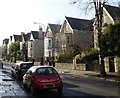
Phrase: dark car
pixel 19 69
pixel 42 77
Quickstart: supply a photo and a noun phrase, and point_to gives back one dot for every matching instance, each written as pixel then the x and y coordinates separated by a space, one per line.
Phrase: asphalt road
pixel 89 86
pixel 75 86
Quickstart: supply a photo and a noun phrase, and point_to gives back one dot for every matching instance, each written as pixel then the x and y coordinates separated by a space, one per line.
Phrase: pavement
pixel 111 76
pixel 8 86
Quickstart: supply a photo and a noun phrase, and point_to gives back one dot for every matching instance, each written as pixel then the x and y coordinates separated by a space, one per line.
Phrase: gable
pixel 113 11
pixel 55 28
pixel 48 32
pixel 31 37
pixel 65 28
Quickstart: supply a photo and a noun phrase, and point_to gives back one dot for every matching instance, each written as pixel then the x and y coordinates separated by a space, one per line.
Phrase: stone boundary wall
pixel 81 67
pixel 70 66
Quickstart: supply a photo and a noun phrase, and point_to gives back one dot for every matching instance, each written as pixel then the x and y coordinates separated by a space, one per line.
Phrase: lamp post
pixel 41 37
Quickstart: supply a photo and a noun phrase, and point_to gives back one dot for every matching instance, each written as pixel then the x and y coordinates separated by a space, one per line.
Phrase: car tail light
pixel 25 76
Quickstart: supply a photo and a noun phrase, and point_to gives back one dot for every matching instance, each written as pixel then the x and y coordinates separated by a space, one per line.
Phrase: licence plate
pixel 49 85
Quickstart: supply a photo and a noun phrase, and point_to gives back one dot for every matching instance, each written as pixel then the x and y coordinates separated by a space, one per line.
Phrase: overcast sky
pixel 18 15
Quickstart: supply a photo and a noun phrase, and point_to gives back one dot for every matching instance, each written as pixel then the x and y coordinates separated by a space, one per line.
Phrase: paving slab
pixel 9 87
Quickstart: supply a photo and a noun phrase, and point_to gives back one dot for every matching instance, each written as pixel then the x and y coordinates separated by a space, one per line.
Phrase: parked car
pixel 19 69
pixel 42 77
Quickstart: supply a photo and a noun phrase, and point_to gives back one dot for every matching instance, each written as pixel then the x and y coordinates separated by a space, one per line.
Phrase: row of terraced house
pixel 58 38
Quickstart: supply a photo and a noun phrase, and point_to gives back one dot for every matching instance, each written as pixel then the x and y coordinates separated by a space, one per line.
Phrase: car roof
pixel 23 62
pixel 43 66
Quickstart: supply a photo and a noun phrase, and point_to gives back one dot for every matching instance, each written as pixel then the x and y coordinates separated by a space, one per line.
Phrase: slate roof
pixel 113 11
pixel 5 41
pixel 17 37
pixel 80 24
pixel 27 36
pixel 35 34
pixel 55 28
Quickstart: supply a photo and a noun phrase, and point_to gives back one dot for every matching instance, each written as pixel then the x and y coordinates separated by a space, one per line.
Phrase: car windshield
pixel 45 71
pixel 26 65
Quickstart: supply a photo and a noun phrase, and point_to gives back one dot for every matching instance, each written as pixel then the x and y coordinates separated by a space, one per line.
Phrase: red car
pixel 42 77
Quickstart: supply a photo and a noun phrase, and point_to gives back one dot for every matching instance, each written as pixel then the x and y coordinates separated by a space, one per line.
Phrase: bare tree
pixel 98 7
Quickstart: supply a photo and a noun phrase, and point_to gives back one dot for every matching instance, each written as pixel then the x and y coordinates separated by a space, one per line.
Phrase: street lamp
pixel 40 25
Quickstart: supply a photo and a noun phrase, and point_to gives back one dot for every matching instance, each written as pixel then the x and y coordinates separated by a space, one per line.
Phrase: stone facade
pixel 70 38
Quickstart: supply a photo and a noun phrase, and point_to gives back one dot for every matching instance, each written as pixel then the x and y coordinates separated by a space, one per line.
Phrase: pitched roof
pixel 27 36
pixel 113 11
pixel 55 28
pixel 80 24
pixel 17 37
pixel 35 34
pixel 5 41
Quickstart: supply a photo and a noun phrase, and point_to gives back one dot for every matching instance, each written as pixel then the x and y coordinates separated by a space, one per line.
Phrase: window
pixel 45 71
pixel 26 65
pixel 50 53
pixel 50 43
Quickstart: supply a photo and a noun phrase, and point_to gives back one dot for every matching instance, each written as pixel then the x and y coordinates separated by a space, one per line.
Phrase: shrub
pixel 65 58
pixel 89 55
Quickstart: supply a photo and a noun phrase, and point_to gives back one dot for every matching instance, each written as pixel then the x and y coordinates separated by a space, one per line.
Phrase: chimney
pixel 41 34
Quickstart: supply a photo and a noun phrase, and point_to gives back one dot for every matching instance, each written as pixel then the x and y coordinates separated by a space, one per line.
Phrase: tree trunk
pixel 99 16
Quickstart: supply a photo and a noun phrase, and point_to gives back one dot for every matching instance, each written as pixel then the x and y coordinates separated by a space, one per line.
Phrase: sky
pixel 18 16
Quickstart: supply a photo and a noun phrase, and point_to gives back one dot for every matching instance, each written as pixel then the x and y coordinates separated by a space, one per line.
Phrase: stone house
pixel 50 44
pixel 110 15
pixel 75 34
pixel 24 46
pixel 35 46
pixel 31 45
pixel 13 39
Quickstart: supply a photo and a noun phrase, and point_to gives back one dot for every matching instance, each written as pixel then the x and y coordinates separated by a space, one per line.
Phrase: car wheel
pixel 33 91
pixel 17 77
pixel 60 89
